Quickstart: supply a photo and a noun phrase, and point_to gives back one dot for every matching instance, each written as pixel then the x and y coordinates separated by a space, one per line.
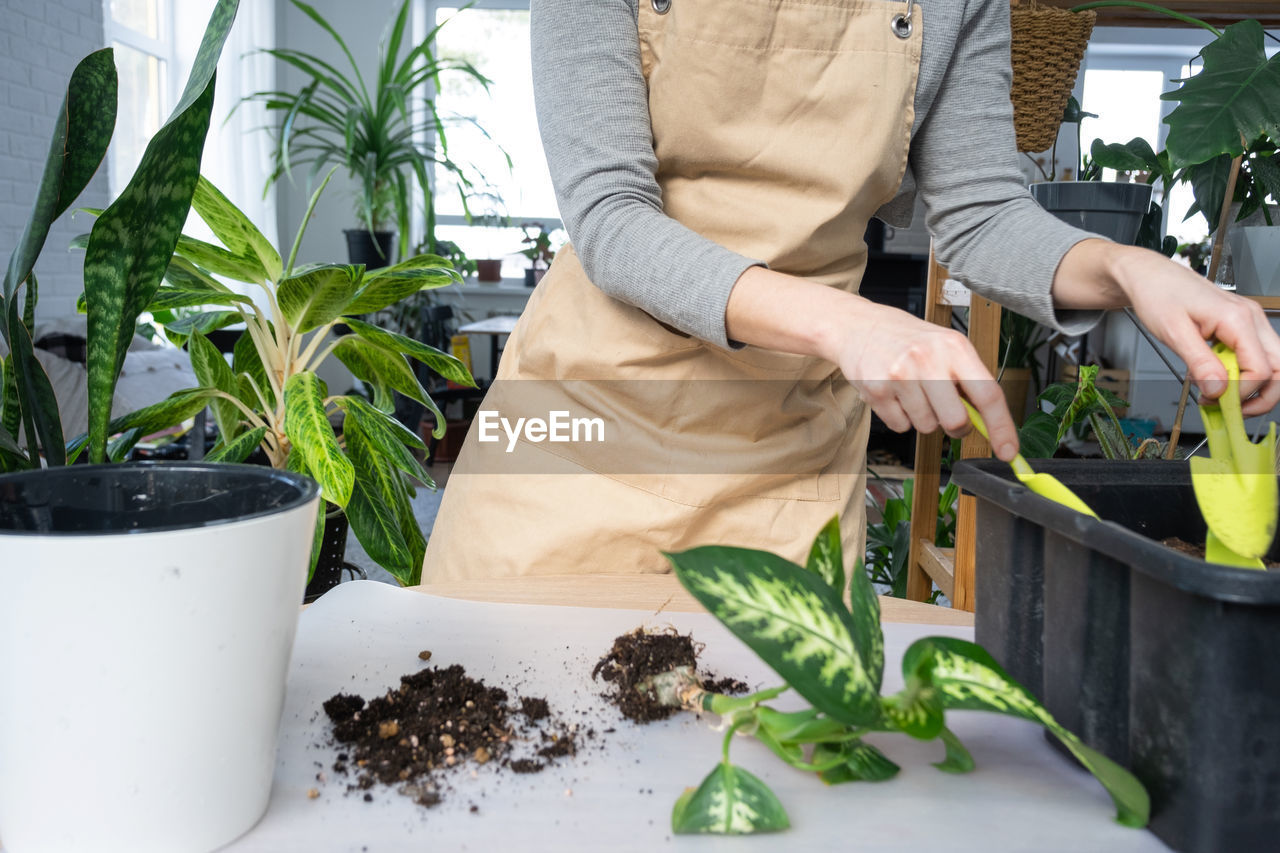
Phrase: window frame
pixel 423 15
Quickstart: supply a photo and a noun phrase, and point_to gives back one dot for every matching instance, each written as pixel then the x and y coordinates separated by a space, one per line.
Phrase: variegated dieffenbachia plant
pixel 270 396
pixel 832 655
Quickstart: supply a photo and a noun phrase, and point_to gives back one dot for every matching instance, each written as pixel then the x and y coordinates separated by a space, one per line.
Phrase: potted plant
pixel 270 396
pixel 539 252
pixel 173 726
pixel 372 133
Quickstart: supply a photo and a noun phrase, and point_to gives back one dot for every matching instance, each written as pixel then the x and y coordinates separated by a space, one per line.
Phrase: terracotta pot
pixel 489 270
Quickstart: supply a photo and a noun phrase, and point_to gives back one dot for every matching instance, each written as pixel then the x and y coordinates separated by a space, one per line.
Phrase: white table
pixel 362 636
pixel 494 327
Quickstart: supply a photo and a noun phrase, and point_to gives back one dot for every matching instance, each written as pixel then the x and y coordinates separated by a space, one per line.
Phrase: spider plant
pixel 386 136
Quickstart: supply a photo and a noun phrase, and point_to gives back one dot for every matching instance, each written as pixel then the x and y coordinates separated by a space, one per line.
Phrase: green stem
pixel 1150 7
pixel 728 738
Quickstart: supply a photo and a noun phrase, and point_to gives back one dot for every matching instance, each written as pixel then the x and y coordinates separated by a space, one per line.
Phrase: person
pixel 716 163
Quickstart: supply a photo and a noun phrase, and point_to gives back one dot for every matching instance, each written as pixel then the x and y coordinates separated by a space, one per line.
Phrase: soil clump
pixel 640 655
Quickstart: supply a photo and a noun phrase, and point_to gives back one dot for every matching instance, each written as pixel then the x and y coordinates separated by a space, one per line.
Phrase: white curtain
pixel 237 152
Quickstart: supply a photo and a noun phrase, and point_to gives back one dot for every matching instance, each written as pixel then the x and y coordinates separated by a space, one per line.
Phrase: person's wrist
pixel 835 328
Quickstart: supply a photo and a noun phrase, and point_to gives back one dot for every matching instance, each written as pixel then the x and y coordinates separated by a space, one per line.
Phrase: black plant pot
pixel 1153 657
pixel 372 250
pixel 1112 209
pixel 332 564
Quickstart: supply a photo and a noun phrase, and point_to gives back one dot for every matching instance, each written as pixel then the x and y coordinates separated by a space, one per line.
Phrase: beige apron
pixel 780 127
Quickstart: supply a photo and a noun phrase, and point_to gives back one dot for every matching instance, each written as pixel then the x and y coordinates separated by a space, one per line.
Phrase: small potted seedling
pixel 832 655
pixel 539 251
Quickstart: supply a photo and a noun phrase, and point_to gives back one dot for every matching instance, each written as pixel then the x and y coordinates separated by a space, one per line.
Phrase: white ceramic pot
pixel 145 632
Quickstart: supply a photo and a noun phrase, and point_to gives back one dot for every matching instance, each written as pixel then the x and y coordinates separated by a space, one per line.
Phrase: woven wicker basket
pixel 1047 46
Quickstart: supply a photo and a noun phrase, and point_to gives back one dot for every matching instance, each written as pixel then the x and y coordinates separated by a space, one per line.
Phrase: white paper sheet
pixel 618 792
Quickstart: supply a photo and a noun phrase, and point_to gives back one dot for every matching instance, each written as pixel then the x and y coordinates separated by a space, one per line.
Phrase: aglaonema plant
pixel 270 396
pixel 832 655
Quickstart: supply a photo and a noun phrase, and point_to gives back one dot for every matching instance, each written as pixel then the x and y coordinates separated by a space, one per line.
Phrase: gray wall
pixel 361 25
pixel 40 43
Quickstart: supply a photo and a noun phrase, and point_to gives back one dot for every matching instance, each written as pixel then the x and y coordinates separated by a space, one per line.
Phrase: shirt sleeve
pixel 988 231
pixel 593 115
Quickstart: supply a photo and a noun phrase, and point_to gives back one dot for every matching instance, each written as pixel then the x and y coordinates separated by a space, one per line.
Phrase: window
pixel 141 32
pixel 493 35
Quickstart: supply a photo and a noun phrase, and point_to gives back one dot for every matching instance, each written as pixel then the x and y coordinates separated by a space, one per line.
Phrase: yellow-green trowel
pixel 1235 486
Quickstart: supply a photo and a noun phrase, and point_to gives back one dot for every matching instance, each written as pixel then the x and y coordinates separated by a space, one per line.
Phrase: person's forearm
pixel 781 312
pixel 1091 275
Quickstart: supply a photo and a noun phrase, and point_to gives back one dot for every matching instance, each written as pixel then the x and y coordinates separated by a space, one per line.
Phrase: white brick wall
pixel 40 43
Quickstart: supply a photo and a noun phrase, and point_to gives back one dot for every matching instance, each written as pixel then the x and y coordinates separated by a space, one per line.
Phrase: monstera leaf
pixel 1232 101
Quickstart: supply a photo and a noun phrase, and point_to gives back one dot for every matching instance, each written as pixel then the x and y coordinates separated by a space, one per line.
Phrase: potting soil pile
pixel 638 656
pixel 439 721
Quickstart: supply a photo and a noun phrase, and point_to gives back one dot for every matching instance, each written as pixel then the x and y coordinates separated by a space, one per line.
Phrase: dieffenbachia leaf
pixel 169 298
pixel 372 511
pixel 1229 103
pixel 387 435
pixel 309 432
pixel 174 409
pixel 916 710
pixel 184 275
pixel 388 285
pixel 958 759
pixel 826 556
pixel 229 224
pixel 133 240
pixel 317 295
pixel 372 363
pixel 966 678
pixel 204 322
pixel 861 762
pixel 246 363
pixel 807 726
pixel 441 362
pixel 791 618
pixel 730 801
pixel 212 370
pixel 219 261
pixel 238 449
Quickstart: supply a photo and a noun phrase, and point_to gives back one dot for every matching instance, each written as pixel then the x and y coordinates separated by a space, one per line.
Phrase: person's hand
pixel 912 373
pixel 1183 310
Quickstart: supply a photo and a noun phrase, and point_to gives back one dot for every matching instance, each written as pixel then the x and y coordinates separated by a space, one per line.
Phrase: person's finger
pixel 1269 393
pixel 1237 327
pixel 986 397
pixel 944 398
pixel 892 415
pixel 1203 366
pixel 915 403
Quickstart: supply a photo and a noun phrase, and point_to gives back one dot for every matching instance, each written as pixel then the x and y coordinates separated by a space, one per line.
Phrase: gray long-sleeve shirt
pixel 594 118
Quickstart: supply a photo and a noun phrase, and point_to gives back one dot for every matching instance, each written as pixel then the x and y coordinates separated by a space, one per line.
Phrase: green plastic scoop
pixel 1235 486
pixel 1044 485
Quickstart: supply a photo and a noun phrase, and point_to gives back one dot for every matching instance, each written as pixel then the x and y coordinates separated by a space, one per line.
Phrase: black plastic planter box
pixel 1167 664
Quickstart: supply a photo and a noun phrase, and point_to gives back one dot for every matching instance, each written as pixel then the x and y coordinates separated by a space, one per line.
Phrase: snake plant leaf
pixel 1230 102
pixel 441 362
pixel 309 431
pixel 81 134
pixel 212 370
pixel 826 556
pixel 38 407
pixel 239 448
pixel 246 364
pixel 372 511
pixel 862 763
pixel 229 224
pixel 318 295
pixel 966 678
pixel 387 435
pixel 219 261
pixel 791 618
pixel 132 241
pixel 11 452
pixel 730 801
pixel 958 759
